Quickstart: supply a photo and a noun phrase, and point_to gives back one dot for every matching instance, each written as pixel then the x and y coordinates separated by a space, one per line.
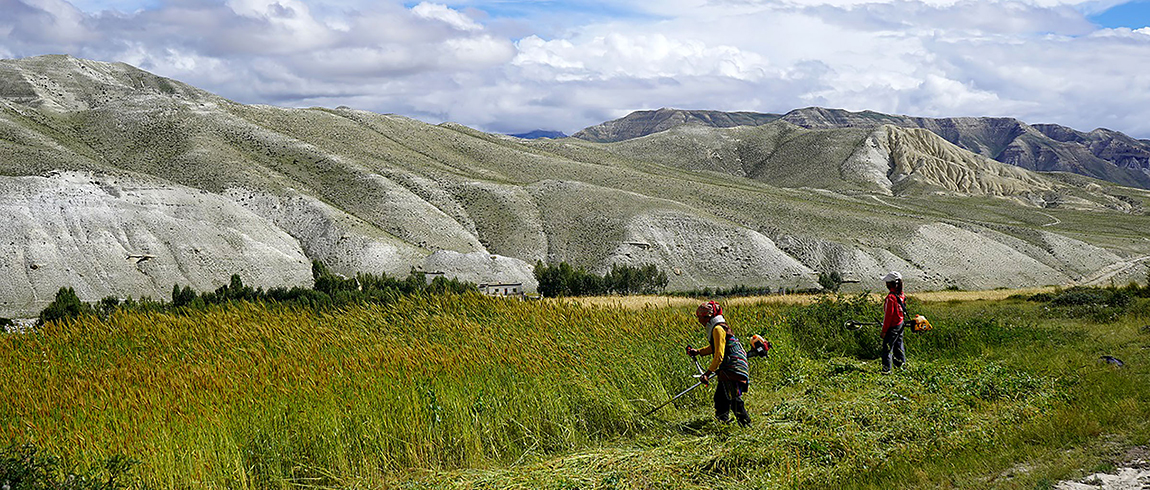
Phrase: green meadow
pixel 464 391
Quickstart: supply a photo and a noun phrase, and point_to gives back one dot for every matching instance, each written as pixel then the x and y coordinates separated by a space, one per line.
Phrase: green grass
pixel 469 392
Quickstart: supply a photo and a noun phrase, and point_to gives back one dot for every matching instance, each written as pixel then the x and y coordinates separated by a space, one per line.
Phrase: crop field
pixel 463 391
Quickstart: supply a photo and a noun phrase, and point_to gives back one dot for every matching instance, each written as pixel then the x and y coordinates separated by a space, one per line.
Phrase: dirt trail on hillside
pixel 1052 223
pixel 1099 278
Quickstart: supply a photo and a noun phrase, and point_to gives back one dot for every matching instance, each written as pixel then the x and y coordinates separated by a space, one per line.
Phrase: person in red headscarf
pixel 728 364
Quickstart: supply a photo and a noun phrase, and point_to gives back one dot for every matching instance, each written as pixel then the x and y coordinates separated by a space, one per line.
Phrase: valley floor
pixel 474 392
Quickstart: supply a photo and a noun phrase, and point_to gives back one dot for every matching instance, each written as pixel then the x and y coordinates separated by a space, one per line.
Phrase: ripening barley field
pixel 471 392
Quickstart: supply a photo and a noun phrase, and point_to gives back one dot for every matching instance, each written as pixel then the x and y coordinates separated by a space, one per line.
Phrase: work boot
pixel 741 413
pixel 724 417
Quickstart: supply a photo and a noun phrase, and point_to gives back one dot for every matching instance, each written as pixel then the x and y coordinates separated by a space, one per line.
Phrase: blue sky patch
pixel 1134 15
pixel 580 11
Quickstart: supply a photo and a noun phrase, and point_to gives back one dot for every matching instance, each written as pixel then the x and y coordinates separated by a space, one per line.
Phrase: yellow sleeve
pixel 720 343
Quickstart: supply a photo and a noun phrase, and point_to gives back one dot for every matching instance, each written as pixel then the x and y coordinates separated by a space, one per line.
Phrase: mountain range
pixel 118 182
pixel 1101 153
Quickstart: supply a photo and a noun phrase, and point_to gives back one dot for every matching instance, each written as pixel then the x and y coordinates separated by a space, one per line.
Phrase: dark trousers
pixel 729 398
pixel 893 351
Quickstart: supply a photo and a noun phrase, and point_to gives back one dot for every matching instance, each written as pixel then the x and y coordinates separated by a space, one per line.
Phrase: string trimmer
pixel 918 324
pixel 702 381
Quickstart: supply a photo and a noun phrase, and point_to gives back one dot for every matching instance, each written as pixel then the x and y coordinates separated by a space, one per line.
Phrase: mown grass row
pixel 997 385
pixel 471 391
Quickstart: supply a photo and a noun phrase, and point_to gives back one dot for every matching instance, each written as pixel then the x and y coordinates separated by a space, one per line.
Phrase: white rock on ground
pixel 1125 479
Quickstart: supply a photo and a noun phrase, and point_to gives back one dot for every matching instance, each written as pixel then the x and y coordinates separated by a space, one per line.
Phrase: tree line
pixel 563 279
pixel 329 290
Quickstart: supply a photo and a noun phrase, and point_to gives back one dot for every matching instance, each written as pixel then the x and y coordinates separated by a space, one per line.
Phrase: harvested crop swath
pixel 470 391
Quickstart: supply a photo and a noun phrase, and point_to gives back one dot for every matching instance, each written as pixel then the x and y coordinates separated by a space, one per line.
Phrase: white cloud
pixel 66 16
pixel 442 13
pixel 1142 34
pixel 284 26
pixel 636 56
pixel 1039 60
pixel 476 52
pixel 51 21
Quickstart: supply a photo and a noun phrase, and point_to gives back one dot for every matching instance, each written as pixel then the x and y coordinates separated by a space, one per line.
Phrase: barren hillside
pixel 124 183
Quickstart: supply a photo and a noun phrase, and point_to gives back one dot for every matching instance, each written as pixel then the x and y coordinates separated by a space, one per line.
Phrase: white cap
pixel 892 276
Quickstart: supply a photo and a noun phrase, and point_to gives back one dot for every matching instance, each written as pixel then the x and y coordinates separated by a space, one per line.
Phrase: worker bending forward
pixel 728 364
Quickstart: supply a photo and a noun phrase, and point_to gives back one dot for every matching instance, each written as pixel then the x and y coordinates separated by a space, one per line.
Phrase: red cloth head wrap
pixel 709 309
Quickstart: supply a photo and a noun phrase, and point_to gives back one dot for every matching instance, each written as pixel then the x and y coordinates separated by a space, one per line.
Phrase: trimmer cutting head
pixel 855 325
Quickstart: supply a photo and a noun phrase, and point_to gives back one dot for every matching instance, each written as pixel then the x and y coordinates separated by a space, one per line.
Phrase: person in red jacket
pixel 893 314
pixel 728 364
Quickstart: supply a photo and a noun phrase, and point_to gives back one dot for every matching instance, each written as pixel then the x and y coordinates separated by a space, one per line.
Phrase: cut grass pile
pixel 468 391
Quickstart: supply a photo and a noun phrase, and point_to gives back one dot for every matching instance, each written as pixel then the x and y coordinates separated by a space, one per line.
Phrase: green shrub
pixel 1102 305
pixel 25 467
pixel 66 306
pixel 735 291
pixel 183 296
pixel 818 327
pixel 973 336
pixel 1082 296
pixel 830 281
pixel 330 290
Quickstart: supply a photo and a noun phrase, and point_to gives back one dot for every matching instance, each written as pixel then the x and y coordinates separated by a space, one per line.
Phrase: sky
pixel 512 66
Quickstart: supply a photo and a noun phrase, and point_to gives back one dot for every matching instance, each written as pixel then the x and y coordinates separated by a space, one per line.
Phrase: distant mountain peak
pixel 1102 153
pixel 642 123
pixel 539 133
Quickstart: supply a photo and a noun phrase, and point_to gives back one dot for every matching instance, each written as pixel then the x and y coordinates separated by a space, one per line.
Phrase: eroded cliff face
pixel 702 252
pixel 885 160
pixel 128 237
pixel 108 236
pixel 920 158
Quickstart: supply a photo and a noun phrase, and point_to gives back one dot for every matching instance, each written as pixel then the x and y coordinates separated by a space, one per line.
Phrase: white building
pixel 502 289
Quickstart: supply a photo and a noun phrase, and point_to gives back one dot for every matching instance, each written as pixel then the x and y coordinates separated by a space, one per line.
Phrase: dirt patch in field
pixel 1132 472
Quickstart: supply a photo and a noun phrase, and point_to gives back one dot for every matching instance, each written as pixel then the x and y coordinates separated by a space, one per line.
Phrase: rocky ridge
pixel 1101 153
